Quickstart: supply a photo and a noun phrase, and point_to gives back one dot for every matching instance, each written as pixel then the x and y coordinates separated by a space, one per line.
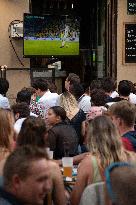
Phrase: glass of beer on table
pixel 67 163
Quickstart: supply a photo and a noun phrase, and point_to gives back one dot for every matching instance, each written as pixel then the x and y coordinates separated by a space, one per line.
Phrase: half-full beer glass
pixel 67 163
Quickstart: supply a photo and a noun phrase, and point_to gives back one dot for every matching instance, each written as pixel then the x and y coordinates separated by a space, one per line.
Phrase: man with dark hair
pixel 71 79
pixel 26 177
pixel 83 98
pixel 47 99
pixel 95 84
pixel 24 96
pixel 123 114
pixel 4 86
pixel 21 112
pixel 108 85
pixel 124 90
pixel 41 86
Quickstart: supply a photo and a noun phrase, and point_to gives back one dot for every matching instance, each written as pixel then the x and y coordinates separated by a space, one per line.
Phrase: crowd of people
pixel 94 124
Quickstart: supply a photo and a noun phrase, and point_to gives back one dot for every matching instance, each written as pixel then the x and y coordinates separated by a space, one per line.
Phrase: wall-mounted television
pixel 51 35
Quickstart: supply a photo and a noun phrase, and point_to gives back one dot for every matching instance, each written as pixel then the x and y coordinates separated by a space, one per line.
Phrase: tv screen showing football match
pixel 51 35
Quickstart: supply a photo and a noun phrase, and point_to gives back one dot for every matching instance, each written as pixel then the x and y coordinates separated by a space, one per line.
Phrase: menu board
pixel 131 6
pixel 130 42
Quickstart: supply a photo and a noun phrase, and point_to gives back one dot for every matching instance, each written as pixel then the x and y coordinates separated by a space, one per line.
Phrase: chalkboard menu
pixel 131 5
pixel 130 43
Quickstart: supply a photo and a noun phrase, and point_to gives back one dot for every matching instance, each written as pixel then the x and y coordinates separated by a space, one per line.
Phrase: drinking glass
pixel 67 163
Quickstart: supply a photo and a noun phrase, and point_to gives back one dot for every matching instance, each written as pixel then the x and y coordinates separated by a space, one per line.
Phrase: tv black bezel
pixel 45 55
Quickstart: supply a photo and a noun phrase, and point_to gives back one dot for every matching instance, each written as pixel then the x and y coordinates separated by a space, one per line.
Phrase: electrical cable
pixel 10 39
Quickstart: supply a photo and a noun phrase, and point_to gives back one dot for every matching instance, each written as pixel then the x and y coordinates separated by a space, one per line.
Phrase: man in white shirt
pixel 132 96
pixel 21 112
pixel 4 86
pixel 82 95
pixel 47 99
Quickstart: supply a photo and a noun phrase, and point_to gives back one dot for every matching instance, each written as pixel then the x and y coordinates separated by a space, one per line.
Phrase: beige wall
pixel 17 80
pixel 124 71
pixel 13 10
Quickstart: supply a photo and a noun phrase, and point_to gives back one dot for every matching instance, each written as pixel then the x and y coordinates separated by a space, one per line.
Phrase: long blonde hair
pixel 69 103
pixel 6 128
pixel 105 142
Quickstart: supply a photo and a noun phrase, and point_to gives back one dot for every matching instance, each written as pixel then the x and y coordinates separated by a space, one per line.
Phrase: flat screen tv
pixel 51 35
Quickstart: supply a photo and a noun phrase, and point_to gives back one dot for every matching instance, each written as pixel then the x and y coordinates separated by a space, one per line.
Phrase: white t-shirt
pixel 132 98
pixel 4 103
pixel 18 125
pixel 114 94
pixel 48 100
pixel 33 115
pixel 84 103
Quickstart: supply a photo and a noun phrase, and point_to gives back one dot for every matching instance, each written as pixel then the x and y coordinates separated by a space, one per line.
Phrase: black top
pixel 108 99
pixel 118 99
pixel 76 123
pixel 63 140
pixel 7 198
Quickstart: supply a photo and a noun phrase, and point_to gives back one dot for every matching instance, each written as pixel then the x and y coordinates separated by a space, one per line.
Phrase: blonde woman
pixel 7 135
pixel 75 116
pixel 105 147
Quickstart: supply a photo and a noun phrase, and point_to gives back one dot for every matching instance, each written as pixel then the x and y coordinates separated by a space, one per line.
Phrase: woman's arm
pixel 84 177
pixel 76 159
pixel 83 129
pixel 58 185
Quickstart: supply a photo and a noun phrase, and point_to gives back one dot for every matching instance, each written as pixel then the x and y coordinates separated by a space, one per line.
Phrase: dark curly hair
pixel 109 84
pixel 124 88
pixel 95 84
pixel 32 132
pixel 98 97
pixel 40 84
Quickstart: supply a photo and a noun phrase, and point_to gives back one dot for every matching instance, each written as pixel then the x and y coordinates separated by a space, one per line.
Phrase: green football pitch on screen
pixel 54 47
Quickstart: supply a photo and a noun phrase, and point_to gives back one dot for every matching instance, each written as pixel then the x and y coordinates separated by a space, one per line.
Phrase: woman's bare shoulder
pixel 54 169
pixel 53 165
pixel 86 162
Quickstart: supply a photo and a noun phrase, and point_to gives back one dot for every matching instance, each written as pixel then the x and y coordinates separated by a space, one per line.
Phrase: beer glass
pixel 67 163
